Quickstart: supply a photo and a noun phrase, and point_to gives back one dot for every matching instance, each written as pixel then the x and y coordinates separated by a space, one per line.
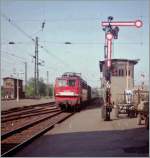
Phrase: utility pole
pixel 37 53
pixel 25 74
pixel 127 78
pixel 111 29
pixel 35 71
pixel 17 87
pixel 47 73
pixel 36 67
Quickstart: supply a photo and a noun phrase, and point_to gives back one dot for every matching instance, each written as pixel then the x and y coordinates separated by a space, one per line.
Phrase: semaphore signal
pixel 111 29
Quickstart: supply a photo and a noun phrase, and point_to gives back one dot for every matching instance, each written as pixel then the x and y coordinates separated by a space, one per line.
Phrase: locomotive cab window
pixel 71 83
pixel 62 83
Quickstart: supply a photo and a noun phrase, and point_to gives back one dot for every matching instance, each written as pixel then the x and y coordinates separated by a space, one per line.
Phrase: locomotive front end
pixel 67 92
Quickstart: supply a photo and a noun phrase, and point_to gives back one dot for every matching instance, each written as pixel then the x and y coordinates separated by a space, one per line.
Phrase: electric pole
pixel 37 53
pixel 38 62
pixel 25 75
pixel 47 73
pixel 36 67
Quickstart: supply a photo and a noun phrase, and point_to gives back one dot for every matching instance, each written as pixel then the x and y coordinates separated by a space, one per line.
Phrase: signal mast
pixel 111 29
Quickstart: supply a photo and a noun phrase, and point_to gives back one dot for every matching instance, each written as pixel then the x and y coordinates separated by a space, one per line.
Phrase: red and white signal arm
pixel 137 23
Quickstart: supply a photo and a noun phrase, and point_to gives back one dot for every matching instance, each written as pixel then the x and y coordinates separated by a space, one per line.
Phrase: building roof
pixel 11 78
pixel 122 60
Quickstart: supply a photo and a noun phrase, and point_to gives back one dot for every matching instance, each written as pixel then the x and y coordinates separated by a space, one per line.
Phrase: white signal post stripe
pixel 109 51
pixel 109 38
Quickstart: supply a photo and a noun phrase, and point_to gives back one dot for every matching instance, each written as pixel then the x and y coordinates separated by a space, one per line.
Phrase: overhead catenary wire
pixel 33 40
pixel 16 26
pixel 18 58
pixel 11 54
pixel 22 60
pixel 10 62
pixel 79 43
pixel 57 20
pixel 82 19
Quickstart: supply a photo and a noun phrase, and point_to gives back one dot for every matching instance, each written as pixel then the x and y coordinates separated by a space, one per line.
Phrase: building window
pixel 121 72
pixel 128 72
pixel 114 72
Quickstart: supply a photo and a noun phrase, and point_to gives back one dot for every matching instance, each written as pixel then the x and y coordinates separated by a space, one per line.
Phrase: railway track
pixel 26 108
pixel 17 123
pixel 17 138
pixel 27 113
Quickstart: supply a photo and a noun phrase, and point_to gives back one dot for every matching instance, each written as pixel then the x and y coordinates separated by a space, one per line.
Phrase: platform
pixel 85 134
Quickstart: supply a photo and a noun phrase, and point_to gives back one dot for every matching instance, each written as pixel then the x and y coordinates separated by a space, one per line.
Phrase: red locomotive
pixel 71 91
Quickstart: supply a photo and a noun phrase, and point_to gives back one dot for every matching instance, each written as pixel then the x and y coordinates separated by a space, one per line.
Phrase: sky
pixel 78 22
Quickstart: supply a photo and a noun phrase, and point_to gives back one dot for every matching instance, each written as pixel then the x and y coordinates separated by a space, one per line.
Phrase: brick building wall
pixel 10 88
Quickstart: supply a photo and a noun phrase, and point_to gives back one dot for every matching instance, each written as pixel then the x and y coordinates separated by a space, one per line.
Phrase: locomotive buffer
pixel 111 32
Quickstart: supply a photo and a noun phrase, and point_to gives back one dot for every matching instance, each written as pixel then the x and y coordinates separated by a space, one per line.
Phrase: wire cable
pixel 16 26
pixel 30 37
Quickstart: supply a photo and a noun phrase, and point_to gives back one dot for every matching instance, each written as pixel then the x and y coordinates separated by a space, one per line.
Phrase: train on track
pixel 72 92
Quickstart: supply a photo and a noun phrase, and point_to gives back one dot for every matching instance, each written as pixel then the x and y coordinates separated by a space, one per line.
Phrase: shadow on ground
pixel 122 143
pixel 94 104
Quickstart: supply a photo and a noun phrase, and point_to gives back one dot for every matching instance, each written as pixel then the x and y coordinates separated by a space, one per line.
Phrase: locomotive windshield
pixel 62 83
pixel 71 83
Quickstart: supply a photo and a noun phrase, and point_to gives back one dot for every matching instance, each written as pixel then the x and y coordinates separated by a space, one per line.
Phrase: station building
pixel 10 88
pixel 122 77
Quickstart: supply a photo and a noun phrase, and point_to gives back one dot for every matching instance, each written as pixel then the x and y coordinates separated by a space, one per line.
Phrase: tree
pixel 42 87
pixel 30 87
pixel 51 90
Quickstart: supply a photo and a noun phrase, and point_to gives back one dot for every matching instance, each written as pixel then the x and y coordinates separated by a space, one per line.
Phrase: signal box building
pixel 10 88
pixel 122 77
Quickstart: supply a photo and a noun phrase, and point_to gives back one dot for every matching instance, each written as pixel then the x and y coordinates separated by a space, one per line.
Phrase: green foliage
pixel 30 87
pixel 51 90
pixel 44 90
pixel 42 87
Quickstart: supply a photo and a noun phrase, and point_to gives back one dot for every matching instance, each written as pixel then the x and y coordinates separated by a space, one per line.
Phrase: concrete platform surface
pixel 86 134
pixel 6 105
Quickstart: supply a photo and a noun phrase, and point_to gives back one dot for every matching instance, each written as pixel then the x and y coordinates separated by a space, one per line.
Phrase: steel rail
pixel 25 107
pixel 27 125
pixel 49 124
pixel 20 116
pixel 33 110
